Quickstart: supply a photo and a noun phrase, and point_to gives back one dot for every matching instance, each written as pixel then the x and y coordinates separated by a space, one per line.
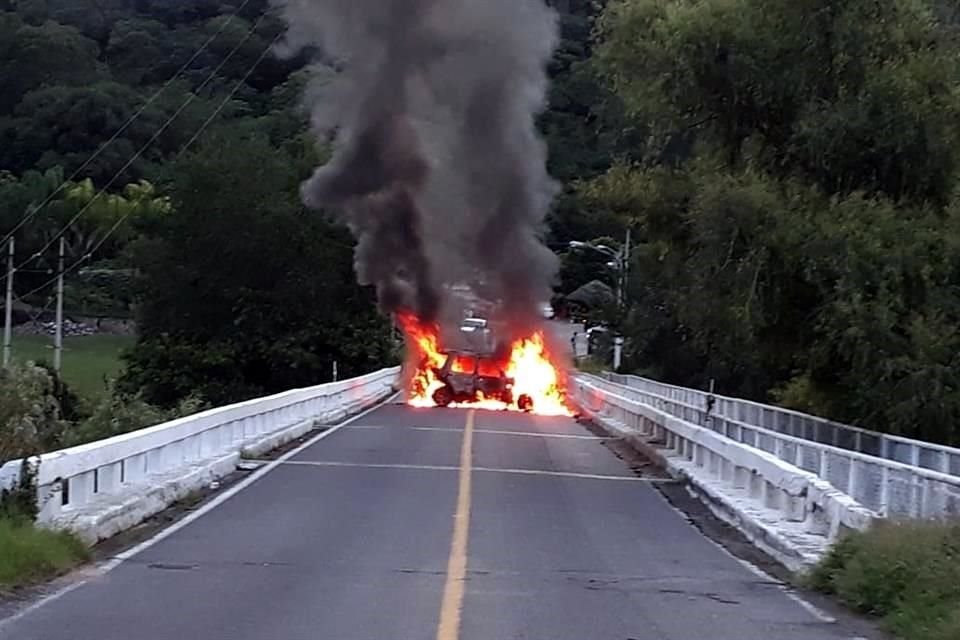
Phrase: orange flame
pixel 530 364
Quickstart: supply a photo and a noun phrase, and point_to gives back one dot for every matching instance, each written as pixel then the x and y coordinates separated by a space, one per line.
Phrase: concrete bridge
pixel 412 524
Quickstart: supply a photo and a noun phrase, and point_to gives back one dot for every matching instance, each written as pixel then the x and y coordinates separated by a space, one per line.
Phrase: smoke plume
pixel 437 167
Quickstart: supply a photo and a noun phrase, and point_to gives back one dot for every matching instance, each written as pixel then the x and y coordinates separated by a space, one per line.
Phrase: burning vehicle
pixel 471 377
pixel 454 250
pixel 522 375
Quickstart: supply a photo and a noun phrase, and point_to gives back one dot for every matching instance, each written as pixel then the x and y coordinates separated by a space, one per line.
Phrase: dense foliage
pixel 247 293
pixel 796 207
pixel 164 142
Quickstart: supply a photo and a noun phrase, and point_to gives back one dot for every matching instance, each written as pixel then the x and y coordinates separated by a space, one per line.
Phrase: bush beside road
pixel 29 555
pixel 907 574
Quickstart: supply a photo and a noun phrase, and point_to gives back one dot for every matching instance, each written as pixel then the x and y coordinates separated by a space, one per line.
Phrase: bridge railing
pixel 102 487
pixel 915 453
pixel 887 487
pixel 789 512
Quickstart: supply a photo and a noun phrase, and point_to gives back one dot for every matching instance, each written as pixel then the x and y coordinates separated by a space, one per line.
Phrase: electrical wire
pixel 34 210
pixel 193 139
pixel 153 138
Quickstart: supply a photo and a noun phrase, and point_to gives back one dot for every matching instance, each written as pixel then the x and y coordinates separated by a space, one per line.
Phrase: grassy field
pixel 29 555
pixel 87 360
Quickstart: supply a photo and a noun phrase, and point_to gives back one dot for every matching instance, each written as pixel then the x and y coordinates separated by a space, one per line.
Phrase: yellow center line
pixel 450 610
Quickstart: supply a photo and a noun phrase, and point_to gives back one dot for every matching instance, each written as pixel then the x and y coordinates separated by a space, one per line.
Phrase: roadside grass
pixel 907 574
pixel 29 554
pixel 87 360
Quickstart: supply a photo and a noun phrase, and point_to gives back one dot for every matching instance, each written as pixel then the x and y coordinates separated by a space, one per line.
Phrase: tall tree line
pixel 794 199
pixel 237 290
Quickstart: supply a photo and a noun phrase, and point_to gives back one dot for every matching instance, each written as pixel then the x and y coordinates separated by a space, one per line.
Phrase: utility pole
pixel 625 265
pixel 8 315
pixel 58 335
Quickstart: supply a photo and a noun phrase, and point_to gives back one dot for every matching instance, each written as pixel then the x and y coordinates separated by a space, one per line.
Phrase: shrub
pixel 120 413
pixel 907 573
pixel 20 500
pixel 30 554
pixel 30 419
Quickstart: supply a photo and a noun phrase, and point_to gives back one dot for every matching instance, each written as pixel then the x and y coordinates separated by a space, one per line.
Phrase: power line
pixel 229 97
pixel 34 210
pixel 194 138
pixel 156 135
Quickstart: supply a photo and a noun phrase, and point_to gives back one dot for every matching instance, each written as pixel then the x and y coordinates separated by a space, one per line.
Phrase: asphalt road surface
pixel 411 524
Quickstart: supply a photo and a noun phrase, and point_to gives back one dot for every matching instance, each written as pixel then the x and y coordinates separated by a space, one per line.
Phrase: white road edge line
pixel 104 568
pixel 785 589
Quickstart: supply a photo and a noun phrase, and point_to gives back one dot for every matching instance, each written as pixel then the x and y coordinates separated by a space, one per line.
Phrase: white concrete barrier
pixel 791 513
pixel 104 487
pixel 890 488
pixel 914 453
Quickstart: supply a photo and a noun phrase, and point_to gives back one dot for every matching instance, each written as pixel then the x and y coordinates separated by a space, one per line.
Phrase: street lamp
pixel 621 261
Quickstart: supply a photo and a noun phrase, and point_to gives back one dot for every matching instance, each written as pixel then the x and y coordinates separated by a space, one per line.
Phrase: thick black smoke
pixel 437 166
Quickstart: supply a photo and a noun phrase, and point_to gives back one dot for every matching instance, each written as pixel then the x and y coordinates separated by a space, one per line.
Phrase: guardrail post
pixel 135 468
pixel 852 484
pixel 109 478
pixel 756 486
pixel 771 495
pixel 81 488
pixel 741 477
pixel 794 507
pixel 727 471
pixel 155 460
pixel 884 491
pixel 716 464
pixel 817 522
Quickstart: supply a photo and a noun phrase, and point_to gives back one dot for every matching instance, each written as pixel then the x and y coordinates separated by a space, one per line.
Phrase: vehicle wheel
pixel 525 402
pixel 507 397
pixel 443 396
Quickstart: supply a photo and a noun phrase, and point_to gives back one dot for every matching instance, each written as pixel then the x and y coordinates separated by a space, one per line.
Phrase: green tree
pixel 244 292
pixel 35 56
pixel 852 95
pixel 801 245
pixel 65 126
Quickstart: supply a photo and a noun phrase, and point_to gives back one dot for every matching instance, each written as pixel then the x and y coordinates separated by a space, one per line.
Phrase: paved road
pixel 434 524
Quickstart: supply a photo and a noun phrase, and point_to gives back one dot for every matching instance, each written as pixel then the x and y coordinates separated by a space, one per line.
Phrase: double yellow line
pixel 452 607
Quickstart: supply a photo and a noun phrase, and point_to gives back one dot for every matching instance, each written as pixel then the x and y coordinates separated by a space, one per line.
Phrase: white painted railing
pixel 886 487
pixel 915 453
pixel 101 487
pixel 786 510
